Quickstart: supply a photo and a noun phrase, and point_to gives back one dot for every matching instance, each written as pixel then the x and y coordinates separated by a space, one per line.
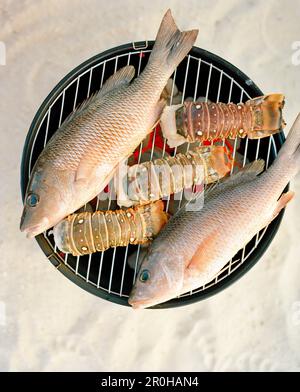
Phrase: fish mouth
pixel 137 304
pixel 34 230
pixel 142 303
pixel 147 302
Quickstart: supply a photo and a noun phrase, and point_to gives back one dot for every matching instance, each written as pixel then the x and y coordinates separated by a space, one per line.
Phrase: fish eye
pixel 32 199
pixel 144 275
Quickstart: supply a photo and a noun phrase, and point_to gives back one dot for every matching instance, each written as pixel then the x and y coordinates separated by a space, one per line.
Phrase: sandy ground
pixel 48 323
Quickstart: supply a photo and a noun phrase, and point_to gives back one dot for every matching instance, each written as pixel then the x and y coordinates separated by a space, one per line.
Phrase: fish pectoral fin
pixel 200 261
pixel 136 258
pixel 81 182
pixel 89 173
pixel 84 172
pixel 284 199
pixel 121 78
pixel 158 110
pixel 203 266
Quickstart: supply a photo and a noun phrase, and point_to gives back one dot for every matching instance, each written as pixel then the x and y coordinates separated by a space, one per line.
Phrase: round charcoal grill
pixel 107 274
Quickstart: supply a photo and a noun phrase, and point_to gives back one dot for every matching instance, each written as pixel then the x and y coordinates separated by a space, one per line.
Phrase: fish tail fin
pixel 154 216
pixel 291 147
pixel 171 45
pixel 270 120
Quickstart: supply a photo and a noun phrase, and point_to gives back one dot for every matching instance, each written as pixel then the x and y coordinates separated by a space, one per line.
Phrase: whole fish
pixel 195 245
pixel 82 156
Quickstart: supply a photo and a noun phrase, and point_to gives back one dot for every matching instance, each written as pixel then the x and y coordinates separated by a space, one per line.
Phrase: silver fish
pixel 82 156
pixel 194 246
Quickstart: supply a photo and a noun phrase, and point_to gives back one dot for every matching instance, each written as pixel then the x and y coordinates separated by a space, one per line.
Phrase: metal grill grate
pixel 108 271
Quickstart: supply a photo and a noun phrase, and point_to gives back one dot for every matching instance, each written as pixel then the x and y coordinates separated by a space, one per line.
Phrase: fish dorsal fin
pixel 246 174
pixel 121 78
pixel 80 109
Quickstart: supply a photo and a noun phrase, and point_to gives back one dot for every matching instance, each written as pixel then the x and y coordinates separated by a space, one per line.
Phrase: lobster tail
pixel 86 232
pixel 200 121
pixel 150 181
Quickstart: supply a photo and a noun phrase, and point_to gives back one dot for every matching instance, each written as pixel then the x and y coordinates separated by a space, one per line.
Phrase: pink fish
pixel 195 245
pixel 83 154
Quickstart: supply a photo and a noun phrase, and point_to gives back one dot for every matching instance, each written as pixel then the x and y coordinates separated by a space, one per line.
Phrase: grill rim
pixel 257 253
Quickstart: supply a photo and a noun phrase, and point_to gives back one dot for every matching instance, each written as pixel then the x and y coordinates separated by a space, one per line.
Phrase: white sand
pixel 47 322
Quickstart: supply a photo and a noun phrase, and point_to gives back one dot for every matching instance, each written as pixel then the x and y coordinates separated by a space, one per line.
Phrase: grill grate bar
pixel 269 151
pixel 102 75
pixel 76 93
pixel 108 207
pixel 90 255
pixel 182 100
pixel 232 167
pixel 233 155
pixel 62 108
pixel 197 80
pixel 100 269
pixel 126 250
pixel 139 160
pixel 185 79
pixel 257 149
pixel 47 127
pixel 256 156
pixel 194 99
pixel 45 142
pixel 153 144
pixel 219 88
pixel 271 141
pixel 208 83
pixel 140 62
pixel 89 85
pixel 231 171
pixel 234 152
pixel 74 107
pixel 136 263
pixel 34 141
pixel 59 124
pixel 171 100
pixel 123 271
pixel 230 90
pixel 165 141
pixel 112 268
pixel 246 151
